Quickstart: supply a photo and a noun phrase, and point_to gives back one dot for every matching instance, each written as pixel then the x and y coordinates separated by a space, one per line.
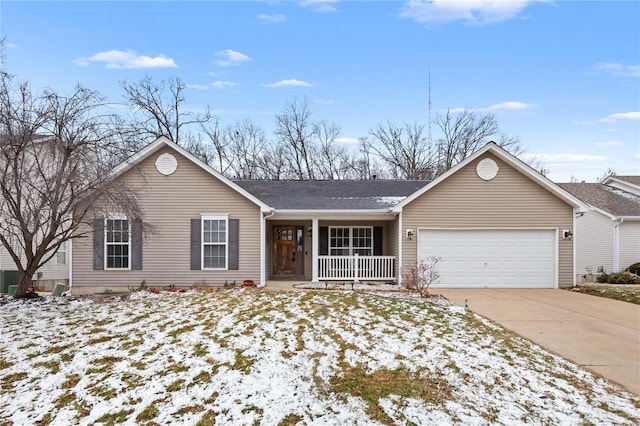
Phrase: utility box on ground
pixel 8 278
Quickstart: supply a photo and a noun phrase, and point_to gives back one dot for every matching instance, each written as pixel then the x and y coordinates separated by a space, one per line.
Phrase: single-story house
pixel 608 235
pixel 493 221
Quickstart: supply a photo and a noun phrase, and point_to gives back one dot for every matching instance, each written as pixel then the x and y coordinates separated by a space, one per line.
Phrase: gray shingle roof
pixel 612 200
pixel 330 194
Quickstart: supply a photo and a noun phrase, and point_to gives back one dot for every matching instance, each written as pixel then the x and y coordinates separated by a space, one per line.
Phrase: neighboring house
pixel 608 235
pixel 56 270
pixel 493 220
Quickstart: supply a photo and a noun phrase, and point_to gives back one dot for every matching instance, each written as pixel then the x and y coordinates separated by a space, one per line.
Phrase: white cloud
pixel 10 45
pixel 582 123
pixel 621 116
pixel 223 84
pixel 324 101
pixel 509 106
pixel 230 57
pixel 197 86
pixel 636 155
pixel 320 5
pixel 620 70
pixel 128 59
pixel 289 83
pixel 609 143
pixel 477 12
pixel 275 19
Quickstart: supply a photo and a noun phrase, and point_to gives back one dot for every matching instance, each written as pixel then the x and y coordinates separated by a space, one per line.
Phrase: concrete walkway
pixel 600 334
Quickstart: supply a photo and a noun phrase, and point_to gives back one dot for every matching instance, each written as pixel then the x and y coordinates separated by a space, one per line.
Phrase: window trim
pixel 350 228
pixel 106 242
pixel 62 250
pixel 222 217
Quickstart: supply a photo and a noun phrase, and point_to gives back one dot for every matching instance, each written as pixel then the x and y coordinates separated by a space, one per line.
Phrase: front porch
pixel 330 249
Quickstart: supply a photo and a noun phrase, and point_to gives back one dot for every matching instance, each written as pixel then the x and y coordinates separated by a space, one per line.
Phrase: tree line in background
pixel 302 148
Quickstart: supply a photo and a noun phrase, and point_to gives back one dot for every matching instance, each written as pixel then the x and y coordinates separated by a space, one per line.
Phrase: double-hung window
pixel 61 254
pixel 117 240
pixel 215 242
pixel 348 241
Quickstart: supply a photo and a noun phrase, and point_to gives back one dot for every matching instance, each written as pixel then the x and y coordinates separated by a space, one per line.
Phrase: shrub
pixel 618 278
pixel 634 268
pixel 418 277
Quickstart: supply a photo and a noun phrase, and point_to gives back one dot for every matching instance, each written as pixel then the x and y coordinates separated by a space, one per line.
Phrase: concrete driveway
pixel 602 335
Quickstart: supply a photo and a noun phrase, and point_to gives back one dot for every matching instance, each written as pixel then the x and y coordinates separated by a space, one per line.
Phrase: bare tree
pixel 56 155
pixel 247 145
pixel 159 109
pixel 333 161
pixel 406 150
pixel 466 132
pixel 294 130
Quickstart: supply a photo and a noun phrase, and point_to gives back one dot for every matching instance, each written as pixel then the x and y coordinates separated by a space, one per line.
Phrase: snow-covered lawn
pixel 266 357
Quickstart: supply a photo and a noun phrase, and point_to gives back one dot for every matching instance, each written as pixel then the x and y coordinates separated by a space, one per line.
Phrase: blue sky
pixel 564 76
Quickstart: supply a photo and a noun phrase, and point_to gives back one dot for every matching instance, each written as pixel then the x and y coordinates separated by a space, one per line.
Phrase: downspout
pixel 616 244
pixel 70 258
pixel 399 270
pixel 263 245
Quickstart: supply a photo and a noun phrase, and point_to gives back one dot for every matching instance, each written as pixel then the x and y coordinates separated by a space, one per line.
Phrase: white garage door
pixel 491 258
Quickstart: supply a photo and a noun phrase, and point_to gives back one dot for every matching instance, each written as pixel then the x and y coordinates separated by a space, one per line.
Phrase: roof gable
pixel 162 142
pixel 518 165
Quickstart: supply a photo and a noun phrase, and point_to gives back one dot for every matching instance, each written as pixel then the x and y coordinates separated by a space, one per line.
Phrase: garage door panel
pixel 491 258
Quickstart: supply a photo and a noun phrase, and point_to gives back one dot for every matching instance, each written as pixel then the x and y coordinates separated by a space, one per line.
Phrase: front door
pixel 284 250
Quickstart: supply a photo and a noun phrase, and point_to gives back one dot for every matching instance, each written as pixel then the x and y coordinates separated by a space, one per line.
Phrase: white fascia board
pixel 163 141
pixel 620 181
pixel 512 161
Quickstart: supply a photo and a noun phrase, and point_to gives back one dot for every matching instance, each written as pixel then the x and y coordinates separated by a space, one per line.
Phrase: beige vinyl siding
pixel 52 272
pixel 629 243
pixel 169 203
pixel 509 201
pixel 392 242
pixel 594 243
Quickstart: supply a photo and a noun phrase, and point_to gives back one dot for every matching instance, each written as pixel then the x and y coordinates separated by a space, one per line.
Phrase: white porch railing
pixel 356 268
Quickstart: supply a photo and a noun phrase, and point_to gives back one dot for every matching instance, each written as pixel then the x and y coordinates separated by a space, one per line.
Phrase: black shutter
pixel 377 240
pixel 195 244
pixel 136 244
pixel 234 246
pixel 98 244
pixel 324 241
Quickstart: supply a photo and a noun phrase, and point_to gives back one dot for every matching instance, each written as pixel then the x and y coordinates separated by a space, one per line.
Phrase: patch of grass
pixel 290 420
pixel 72 381
pixel 202 377
pixel 181 330
pixel 53 365
pixel 191 409
pixel 208 419
pixel 65 399
pixel 9 380
pixel 150 412
pixel 46 419
pixel 56 349
pixel 630 294
pixel 382 383
pixel 242 362
pixel 112 419
pixel 4 364
pixel 175 386
pixel 105 392
pixel 200 349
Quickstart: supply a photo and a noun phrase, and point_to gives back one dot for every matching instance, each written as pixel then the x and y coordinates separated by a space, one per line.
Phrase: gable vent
pixel 166 164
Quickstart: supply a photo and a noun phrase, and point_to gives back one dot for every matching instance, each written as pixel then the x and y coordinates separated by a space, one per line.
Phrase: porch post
pixel 315 237
pixel 399 256
pixel 263 248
